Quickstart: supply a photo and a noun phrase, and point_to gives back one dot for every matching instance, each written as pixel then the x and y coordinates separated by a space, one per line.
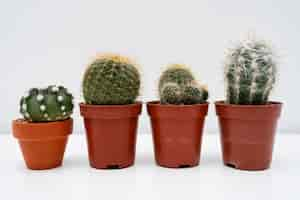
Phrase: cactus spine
pixel 111 80
pixel 53 103
pixel 250 73
pixel 177 85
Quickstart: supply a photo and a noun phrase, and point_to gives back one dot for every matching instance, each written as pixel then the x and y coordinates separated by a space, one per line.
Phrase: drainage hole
pixel 112 167
pixel 184 166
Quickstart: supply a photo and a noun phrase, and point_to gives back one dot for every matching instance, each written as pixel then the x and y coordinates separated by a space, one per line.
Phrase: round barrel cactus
pixel 111 80
pixel 250 73
pixel 53 103
pixel 178 86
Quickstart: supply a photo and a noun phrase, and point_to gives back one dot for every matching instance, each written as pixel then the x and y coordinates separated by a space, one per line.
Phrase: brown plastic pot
pixel 111 134
pixel 247 134
pixel 42 144
pixel 177 133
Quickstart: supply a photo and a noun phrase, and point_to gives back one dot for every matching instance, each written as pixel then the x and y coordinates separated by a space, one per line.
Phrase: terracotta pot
pixel 177 133
pixel 111 134
pixel 42 144
pixel 247 134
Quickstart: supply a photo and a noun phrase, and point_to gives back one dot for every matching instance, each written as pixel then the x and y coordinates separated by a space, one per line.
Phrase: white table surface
pixel 211 180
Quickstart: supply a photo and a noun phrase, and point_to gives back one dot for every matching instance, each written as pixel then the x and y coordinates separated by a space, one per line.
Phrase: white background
pixel 48 42
pixel 211 180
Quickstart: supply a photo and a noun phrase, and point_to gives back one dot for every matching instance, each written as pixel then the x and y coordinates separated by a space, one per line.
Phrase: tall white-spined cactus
pixel 250 73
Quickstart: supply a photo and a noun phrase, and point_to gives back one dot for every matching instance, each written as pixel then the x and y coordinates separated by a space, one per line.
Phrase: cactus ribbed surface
pixel 194 93
pixel 176 73
pixel 111 80
pixel 171 94
pixel 178 86
pixel 250 73
pixel 53 103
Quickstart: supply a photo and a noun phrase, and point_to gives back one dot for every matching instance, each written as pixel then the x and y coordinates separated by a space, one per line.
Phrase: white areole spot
pixel 63 108
pixel 39 97
pixel 64 113
pixel 43 107
pixel 24 106
pixel 27 115
pixel 46 115
pixel 253 55
pixel 55 89
pixel 60 98
pixel 241 59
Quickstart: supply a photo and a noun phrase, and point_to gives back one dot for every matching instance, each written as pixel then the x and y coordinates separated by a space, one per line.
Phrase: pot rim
pixel 158 104
pixel 25 130
pixel 268 105
pixel 110 106
pixel 269 111
pixel 182 112
pixel 110 111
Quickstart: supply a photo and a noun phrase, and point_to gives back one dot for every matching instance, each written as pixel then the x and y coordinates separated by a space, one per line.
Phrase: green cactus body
pixel 111 80
pixel 193 94
pixel 250 73
pixel 177 86
pixel 176 74
pixel 53 103
pixel 171 94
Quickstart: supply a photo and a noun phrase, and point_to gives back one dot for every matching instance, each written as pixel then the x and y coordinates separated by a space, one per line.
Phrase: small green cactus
pixel 53 103
pixel 111 80
pixel 176 73
pixel 194 93
pixel 171 94
pixel 250 73
pixel 178 86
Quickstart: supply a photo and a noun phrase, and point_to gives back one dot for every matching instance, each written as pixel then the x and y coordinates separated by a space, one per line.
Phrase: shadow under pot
pixel 177 133
pixel 247 134
pixel 42 144
pixel 111 132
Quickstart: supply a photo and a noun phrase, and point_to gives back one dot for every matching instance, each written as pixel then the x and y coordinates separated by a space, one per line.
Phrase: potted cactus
pixel 177 119
pixel 43 132
pixel 247 118
pixel 110 86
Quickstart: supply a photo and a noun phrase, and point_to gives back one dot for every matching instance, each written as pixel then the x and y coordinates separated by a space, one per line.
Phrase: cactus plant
pixel 194 93
pixel 53 103
pixel 177 85
pixel 250 73
pixel 176 73
pixel 111 80
pixel 171 94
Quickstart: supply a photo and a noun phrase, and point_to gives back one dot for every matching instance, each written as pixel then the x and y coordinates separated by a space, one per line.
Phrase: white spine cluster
pixel 251 60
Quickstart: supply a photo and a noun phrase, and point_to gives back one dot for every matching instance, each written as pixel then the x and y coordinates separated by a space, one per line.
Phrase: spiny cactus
pixel 177 86
pixel 250 73
pixel 111 80
pixel 171 94
pixel 176 73
pixel 53 103
pixel 194 93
